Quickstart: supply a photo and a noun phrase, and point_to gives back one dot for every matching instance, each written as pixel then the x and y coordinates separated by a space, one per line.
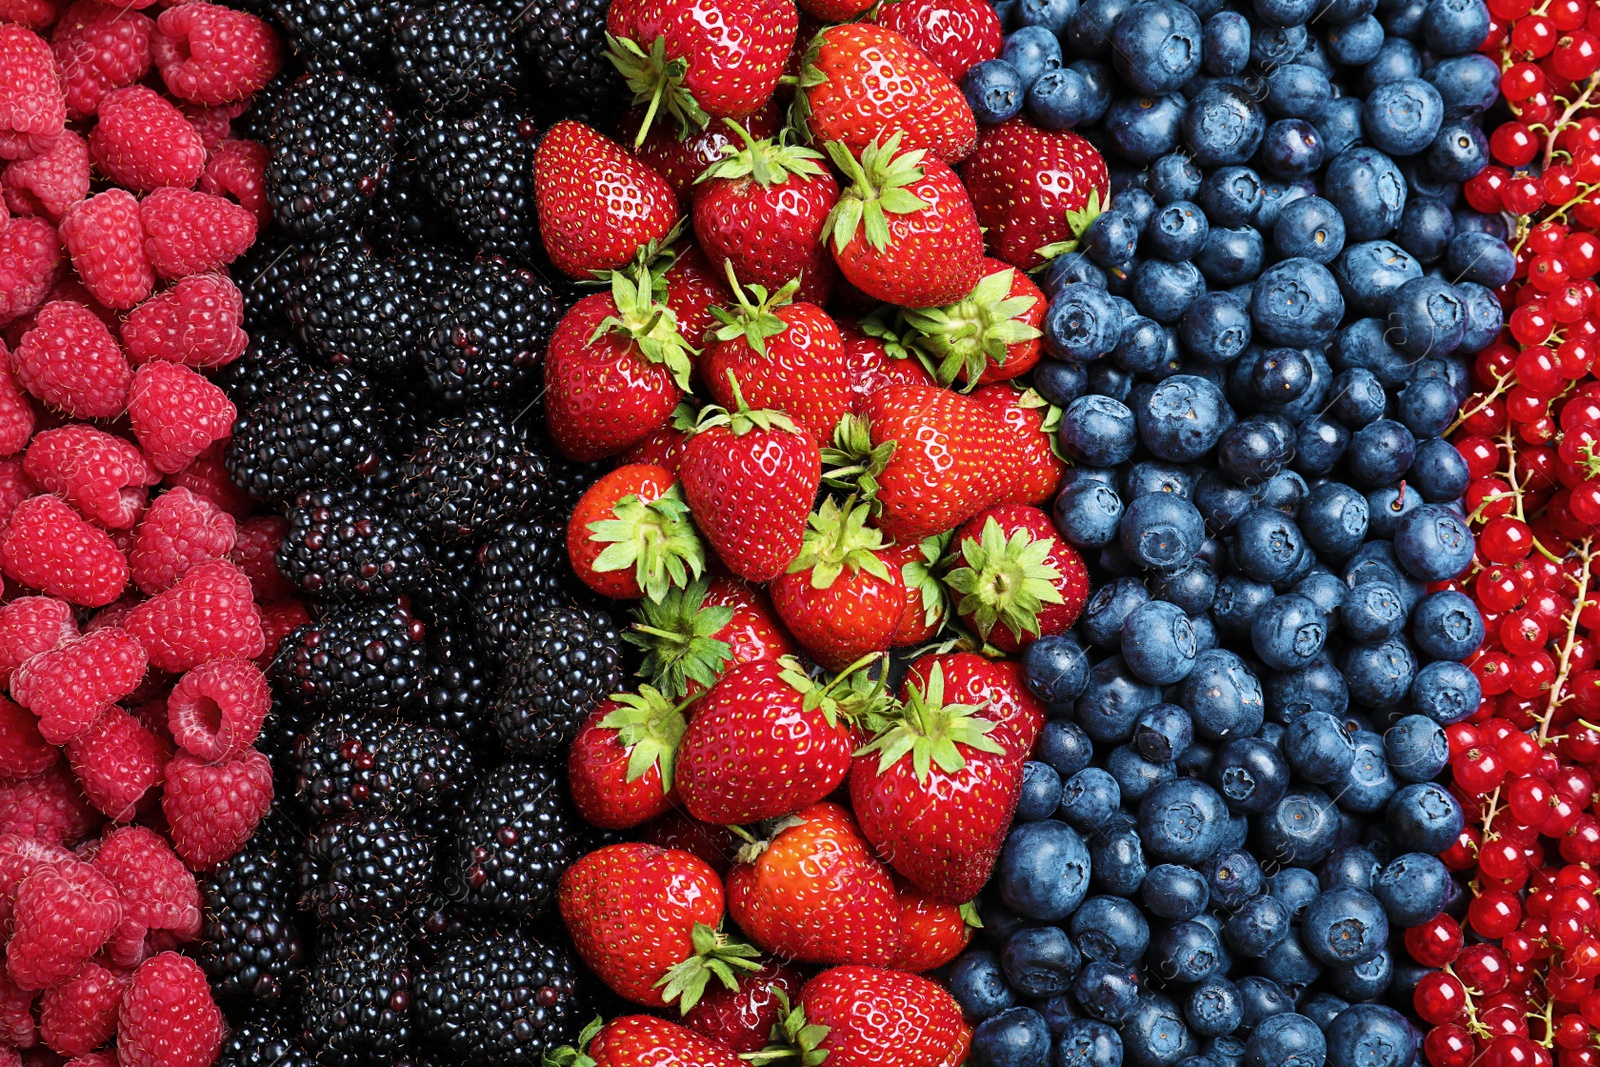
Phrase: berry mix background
pixel 1054 533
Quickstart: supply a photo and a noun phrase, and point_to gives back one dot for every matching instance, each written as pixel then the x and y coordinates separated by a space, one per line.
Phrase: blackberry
pixel 250 944
pixel 322 429
pixel 351 306
pixel 271 362
pixel 331 145
pixel 333 34
pixel 568 661
pixel 255 121
pixel 513 838
pixel 569 480
pixel 287 720
pixel 565 41
pixel 453 56
pixel 404 212
pixel 356 657
pixel 363 867
pixel 486 331
pixel 266 273
pixel 357 1007
pixel 447 602
pixel 499 998
pixel 480 171
pixel 461 684
pixel 258 1040
pixel 337 548
pixel 525 572
pixel 367 762
pixel 470 473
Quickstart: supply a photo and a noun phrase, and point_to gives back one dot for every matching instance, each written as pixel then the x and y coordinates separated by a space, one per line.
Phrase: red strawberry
pixel 644 919
pixel 1031 422
pixel 839 599
pixel 1023 181
pixel 814 893
pixel 996 686
pixel 1015 579
pixel 598 206
pixel 630 535
pixel 903 232
pixel 743 1018
pixel 858 1016
pixel 932 933
pixel 877 362
pixel 614 371
pixel 834 10
pixel 692 635
pixel 620 766
pixel 664 447
pixel 750 478
pixel 702 60
pixel 760 210
pixel 989 335
pixel 861 83
pixel 693 290
pixel 956 34
pixel 639 1040
pixel 706 841
pixel 926 605
pixel 681 162
pixel 934 792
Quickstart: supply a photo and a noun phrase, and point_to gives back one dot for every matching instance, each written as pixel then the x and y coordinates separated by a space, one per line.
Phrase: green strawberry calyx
pixel 1005 580
pixel 678 634
pixel 767 162
pixel 852 694
pixel 877 190
pixel 755 844
pixel 792 1037
pixel 742 419
pixel 656 82
pixel 1078 220
pixel 754 321
pixel 1050 420
pixel 921 573
pixel 963 338
pixel 651 326
pixel 576 1055
pixel 838 537
pixel 929 731
pixel 854 463
pixel 887 324
pixel 716 955
pixel 649 726
pixel 656 540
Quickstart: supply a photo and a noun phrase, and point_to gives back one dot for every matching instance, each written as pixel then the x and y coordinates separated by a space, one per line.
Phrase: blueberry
pixel 1064 746
pixel 1082 323
pixel 1097 82
pixel 1213 1007
pixel 1155 1034
pixel 1252 451
pixel 1427 317
pixel 1220 501
pixel 1423 817
pixel 1364 981
pixel 1089 798
pixel 1401 117
pixel 1372 613
pixel 1191 587
pixel 1446 625
pixel 1370 1035
pixel 1375 561
pixel 1161 531
pixel 994 90
pixel 1158 643
pixel 1458 151
pixel 1454 27
pixel 1340 125
pixel 1162 732
pixel 1164 290
pixel 1261 999
pixel 1057 100
pixel 1055 669
pixel 1181 418
pixel 1438 471
pixel 1226 40
pixel 1050 14
pixel 1433 543
pixel 1351 865
pixel 1481 258
pixel 1030 51
pixel 1233 877
pixel 979 985
pixel 1396 60
pixel 1099 431
pixel 1089 1043
pixel 1071 269
pixel 1088 513
pixel 1355 43
pixel 1267 544
pixel 1231 196
pixel 1323 1008
pixel 1324 589
pixel 1294 888
pixel 1108 608
pixel 1291 148
pixel 1186 952
pixel 1041 792
pixel 1444 692
pixel 1107 990
pixel 1117 855
pixel 1379 675
pixel 1141 128
pixel 1148 477
pixel 1043 870
pixel 1109 380
pixel 1296 302
pixel 1368 189
pixel 1111 239
pixel 1300 828
pixel 1156 46
pixel 1468 84
pixel 1181 821
pixel 1379 454
pixel 1017 1037
pixel 1040 961
pixel 1177 231
pixel 1283 12
pixel 1110 929
pixel 1251 774
pixel 1427 407
pixel 1309 228
pixel 1222 125
pixel 1367 785
pixel 1296 91
pixel 1222 696
pixel 1334 519
pixel 1237 601
pixel 1136 777
pixel 1256 927
pixel 1287 1040
pixel 1174 177
pixel 1231 256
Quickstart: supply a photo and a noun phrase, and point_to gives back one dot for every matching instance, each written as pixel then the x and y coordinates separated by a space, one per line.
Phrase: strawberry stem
pixel 877 190
pixel 1005 580
pixel 839 537
pixel 657 82
pixel 678 636
pixel 649 726
pixel 715 956
pixel 757 321
pixel 963 338
pixel 929 730
pixel 657 540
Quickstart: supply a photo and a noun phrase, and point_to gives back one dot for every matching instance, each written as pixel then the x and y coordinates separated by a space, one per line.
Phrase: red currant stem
pixel 1470 1009
pixel 1566 116
pixel 1511 470
pixel 1501 384
pixel 1566 646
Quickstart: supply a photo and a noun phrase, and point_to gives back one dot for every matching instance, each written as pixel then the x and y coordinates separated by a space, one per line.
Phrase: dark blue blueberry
pixel 1369 191
pixel 1161 531
pixel 1296 91
pixel 1058 1012
pixel 1355 44
pixel 1287 1040
pixel 1177 231
pixel 1320 687
pixel 1041 792
pixel 1468 84
pixel 1082 323
pixel 1262 998
pixel 1117 855
pixel 1220 501
pixel 1427 317
pixel 1071 269
pixel 1213 1007
pixel 1288 633
pixel 1088 1043
pixel 1300 828
pixel 1296 302
pixel 1416 746
pixel 1237 601
pixel 1294 888
pixel 1030 51
pixel 1252 451
pixel 1173 891
pixel 994 90
pixel 1040 961
pixel 1192 587
pixel 1181 821
pixel 1426 229
pixel 1251 774
pixel 1412 888
pixel 1222 125
pixel 1181 418
pixel 1290 967
pixel 1100 431
pixel 1162 732
pixel 1484 316
pixel 1291 148
pixel 1379 454
pixel 1481 258
pixel 1368 785
pixel 1139 205
pixel 1231 196
pixel 1059 99
pixel 1340 125
pixel 1148 477
pixel 1108 608
pixel 1427 407
pixel 1423 817
pixel 1222 696
pixel 1379 675
pixel 1089 798
pixel 1446 625
pixel 1283 12
pixel 1404 19
pixel 1396 60
pixel 1344 926
pixel 1232 875
pixel 1389 505
pixel 1272 45
pixel 1372 613
pixel 1226 37
pixel 1309 228
pixel 1358 394
pixel 1458 152
pixel 1375 562
pixel 1364 981
pixel 1017 1037
pixel 1145 345
pixel 1109 380
pixel 1055 669
pixel 1050 14
pixel 1174 177
pixel 1227 1051
pixel 1256 927
pixel 1402 116
pixel 1186 952
pixel 1433 543
pixel 1111 929
pixel 1136 777
pixel 1098 80
pixel 979 985
pixel 1156 46
pixel 1231 256
pixel 1043 871
pixel 1324 589
pixel 1064 746
pixel 999 921
pixel 1164 290
pixel 1107 990
pixel 1215 328
pixel 1111 239
pixel 1445 692
pixel 1196 759
pixel 1155 1034
pixel 1088 513
pixel 1323 1008
pixel 1267 544
pixel 1351 865
pixel 1370 1035
pixel 1334 519
pixel 1454 27
pixel 1142 128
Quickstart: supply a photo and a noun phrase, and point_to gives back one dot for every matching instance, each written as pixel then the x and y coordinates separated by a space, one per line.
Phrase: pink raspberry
pixel 67 686
pixel 212 809
pixel 93 1059
pixel 176 413
pixel 30 264
pixel 118 762
pixel 48 807
pixel 49 547
pixel 50 182
pixel 239 169
pixel 208 476
pixel 189 233
pixel 14 485
pixel 101 49
pixel 34 14
pixel 106 241
pixel 279 619
pixel 196 323
pixel 156 888
pixel 208 615
pixel 103 476
pixel 17 1029
pixel 255 550
pixel 180 529
pixel 213 55
pixel 64 913
pixel 142 141
pixel 168 1018
pixel 17 420
pixel 71 362
pixel 23 750
pixel 19 857
pixel 213 124
pixel 216 710
pixel 33 111
pixel 30 625
pixel 80 1014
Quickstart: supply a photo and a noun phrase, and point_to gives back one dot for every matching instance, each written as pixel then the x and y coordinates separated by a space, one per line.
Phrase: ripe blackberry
pixel 404 212
pixel 352 306
pixel 331 146
pixel 270 362
pixel 340 34
pixel 447 601
pixel 513 838
pixel 360 656
pixel 568 661
pixel 322 429
pixel 525 572
pixel 453 56
pixel 470 473
pixel 266 274
pixel 369 762
pixel 499 998
pixel 461 684
pixel 357 1007
pixel 257 1039
pixel 364 866
pixel 480 170
pixel 250 945
pixel 486 331
pixel 565 41
pixel 338 548
pixel 569 480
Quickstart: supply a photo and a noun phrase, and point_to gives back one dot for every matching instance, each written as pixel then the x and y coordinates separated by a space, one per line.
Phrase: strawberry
pixel 861 83
pixel 635 1040
pixel 630 535
pixel 693 635
pixel 903 231
pixel 996 686
pixel 989 335
pixel 750 478
pixel 835 10
pixel 614 370
pixel 814 893
pixel 619 768
pixel 956 34
pixel 1016 580
pixel 932 933
pixel 926 605
pixel 644 919
pixel 1031 423
pixel 664 447
pixel 754 633
pixel 681 162
pixel 693 290
pixel 858 1016
pixel 934 792
pixel 877 362
pixel 768 741
pixel 706 841
pixel 1024 181
pixel 598 206
pixel 760 209
pixel 839 599
pixel 702 60
pixel 783 356
pixel 743 1018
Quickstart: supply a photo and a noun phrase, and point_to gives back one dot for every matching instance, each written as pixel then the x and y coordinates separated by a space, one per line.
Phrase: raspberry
pixel 34 14
pixel 93 1059
pixel 30 263
pixel 196 323
pixel 157 889
pixel 216 710
pixel 117 762
pixel 71 362
pixel 50 182
pixel 100 48
pixel 255 550
pixel 14 489
pixel 80 1014
pixel 64 913
pixel 48 807
pixel 213 124
pixel 106 241
pixel 67 686
pixel 16 1016
pixel 19 857
pixel 180 529
pixel 142 141
pixel 208 476
pixel 176 414
pixel 212 809
pixel 239 169
pixel 33 111
pixel 212 55
pixel 189 233
pixel 279 619
pixel 30 625
pixel 23 751
pixel 17 421
pixel 49 547
pixel 168 1018
pixel 208 615
pixel 103 476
